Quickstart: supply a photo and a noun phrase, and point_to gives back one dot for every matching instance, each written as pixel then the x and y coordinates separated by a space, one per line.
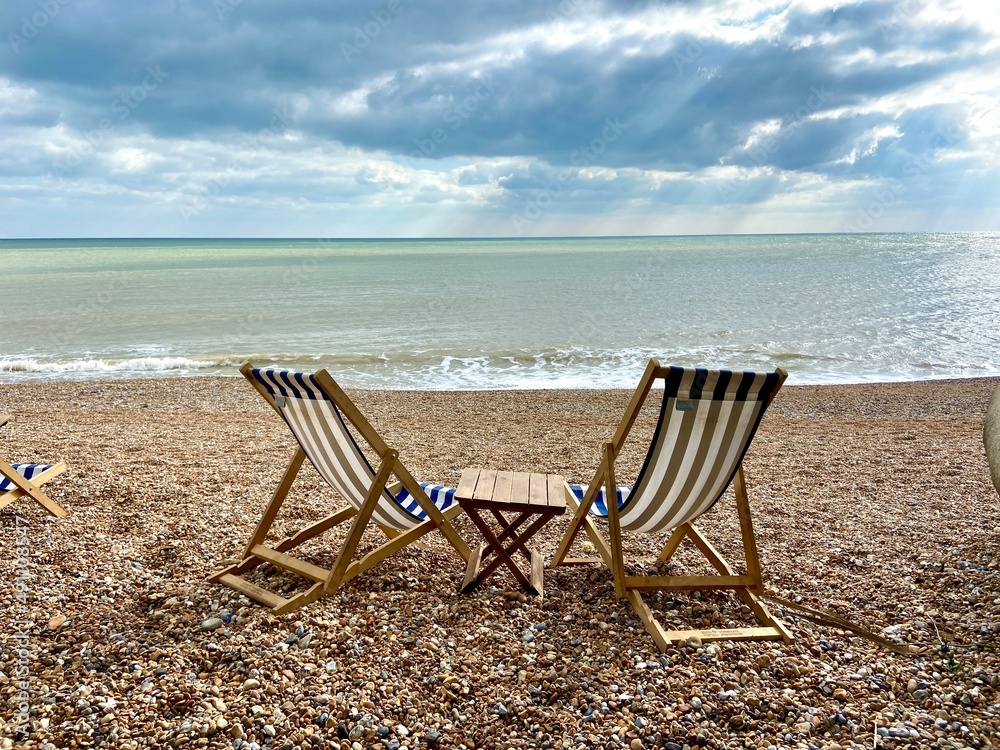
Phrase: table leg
pixel 510 529
pixel 505 555
pixel 472 569
pixel 493 545
pixel 536 571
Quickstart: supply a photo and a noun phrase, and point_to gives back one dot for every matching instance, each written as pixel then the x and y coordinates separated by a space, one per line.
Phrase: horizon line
pixel 468 238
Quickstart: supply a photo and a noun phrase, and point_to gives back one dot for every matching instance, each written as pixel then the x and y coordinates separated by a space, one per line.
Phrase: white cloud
pixel 726 138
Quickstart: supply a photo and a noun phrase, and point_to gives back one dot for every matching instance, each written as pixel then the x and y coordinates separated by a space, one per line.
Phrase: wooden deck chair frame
pixel 24 487
pixel 748 586
pixel 345 566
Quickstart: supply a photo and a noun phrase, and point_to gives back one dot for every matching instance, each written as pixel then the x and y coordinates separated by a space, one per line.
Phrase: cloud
pixel 205 113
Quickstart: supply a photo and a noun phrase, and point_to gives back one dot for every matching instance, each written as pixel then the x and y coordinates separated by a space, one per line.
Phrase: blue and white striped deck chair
pixel 25 480
pixel 318 413
pixel 706 422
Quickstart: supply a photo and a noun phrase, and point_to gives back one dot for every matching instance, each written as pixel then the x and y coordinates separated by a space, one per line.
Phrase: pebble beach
pixel 871 502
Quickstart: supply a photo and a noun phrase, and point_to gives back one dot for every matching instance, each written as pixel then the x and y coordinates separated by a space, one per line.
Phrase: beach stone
pixel 175 686
pixel 212 623
pixel 57 622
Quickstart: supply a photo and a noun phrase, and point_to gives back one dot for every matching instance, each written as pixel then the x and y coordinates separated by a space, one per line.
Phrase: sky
pixel 402 118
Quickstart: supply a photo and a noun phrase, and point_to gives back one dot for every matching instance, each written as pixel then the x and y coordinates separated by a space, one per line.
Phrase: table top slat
pixel 467 484
pixel 538 490
pixel 557 493
pixel 519 486
pixel 511 490
pixel 484 487
pixel 502 488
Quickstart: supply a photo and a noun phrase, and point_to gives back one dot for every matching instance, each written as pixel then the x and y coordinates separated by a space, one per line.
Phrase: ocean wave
pixel 512 369
pixel 90 367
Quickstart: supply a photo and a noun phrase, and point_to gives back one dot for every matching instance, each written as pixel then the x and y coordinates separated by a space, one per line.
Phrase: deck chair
pixel 706 422
pixel 25 480
pixel 318 413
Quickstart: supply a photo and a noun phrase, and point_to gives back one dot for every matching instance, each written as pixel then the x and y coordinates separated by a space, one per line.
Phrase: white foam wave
pixel 87 368
pixel 557 368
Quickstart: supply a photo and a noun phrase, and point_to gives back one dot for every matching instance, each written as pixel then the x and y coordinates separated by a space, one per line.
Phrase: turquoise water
pixel 518 313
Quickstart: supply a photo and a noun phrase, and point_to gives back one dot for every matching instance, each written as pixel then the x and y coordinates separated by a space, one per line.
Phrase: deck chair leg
pixel 580 517
pixel 614 524
pixel 644 613
pixel 308 596
pixel 746 531
pixel 51 506
pixel 383 551
pixel 599 542
pixel 346 552
pixel 673 543
pixel 25 488
pixel 709 551
pixel 313 530
pixel 264 525
pixel 764 614
pixel 773 628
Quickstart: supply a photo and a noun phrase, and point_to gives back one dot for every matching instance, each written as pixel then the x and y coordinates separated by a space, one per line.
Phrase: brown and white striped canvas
pixel 706 423
pixel 323 434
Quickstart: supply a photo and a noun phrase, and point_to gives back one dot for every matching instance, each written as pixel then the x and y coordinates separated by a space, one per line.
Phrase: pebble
pixel 57 622
pixel 398 647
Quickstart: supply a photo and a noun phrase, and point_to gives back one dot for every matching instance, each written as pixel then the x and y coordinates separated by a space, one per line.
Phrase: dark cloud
pixel 230 89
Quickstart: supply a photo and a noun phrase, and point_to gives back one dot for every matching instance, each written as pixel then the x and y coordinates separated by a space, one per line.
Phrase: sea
pixel 459 314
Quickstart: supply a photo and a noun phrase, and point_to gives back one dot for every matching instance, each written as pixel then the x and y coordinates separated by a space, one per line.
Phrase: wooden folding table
pixel 534 497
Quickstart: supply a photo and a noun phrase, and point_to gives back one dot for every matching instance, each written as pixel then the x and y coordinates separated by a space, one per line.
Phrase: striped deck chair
pixel 706 422
pixel 318 412
pixel 25 480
